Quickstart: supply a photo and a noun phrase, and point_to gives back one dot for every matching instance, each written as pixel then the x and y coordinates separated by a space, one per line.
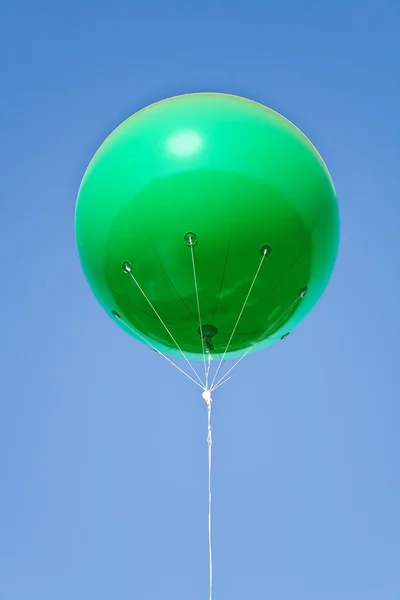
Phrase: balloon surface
pixel 207 201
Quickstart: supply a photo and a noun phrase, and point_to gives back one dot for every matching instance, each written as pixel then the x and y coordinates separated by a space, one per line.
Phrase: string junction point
pixel 206 395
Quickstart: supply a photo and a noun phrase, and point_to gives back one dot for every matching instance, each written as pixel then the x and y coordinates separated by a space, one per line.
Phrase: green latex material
pixel 236 174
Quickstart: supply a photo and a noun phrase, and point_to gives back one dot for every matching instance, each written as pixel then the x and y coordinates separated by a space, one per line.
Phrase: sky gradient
pixel 103 456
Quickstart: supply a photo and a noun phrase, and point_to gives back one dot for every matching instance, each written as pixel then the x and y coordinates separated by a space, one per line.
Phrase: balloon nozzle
pixel 207 332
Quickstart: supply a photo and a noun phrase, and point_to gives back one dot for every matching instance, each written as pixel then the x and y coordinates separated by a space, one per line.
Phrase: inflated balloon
pixel 207 223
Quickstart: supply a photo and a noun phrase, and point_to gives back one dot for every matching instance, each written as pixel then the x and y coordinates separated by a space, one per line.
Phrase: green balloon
pixel 210 192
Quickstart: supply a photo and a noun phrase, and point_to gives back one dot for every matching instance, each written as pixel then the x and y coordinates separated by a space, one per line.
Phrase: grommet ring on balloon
pixel 303 292
pixel 265 250
pixel 190 238
pixel 126 267
pixel 116 315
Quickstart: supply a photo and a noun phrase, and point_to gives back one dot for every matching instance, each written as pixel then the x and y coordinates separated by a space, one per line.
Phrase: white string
pixel 223 378
pixel 207 366
pixel 209 442
pixel 198 309
pixel 146 341
pixel 238 319
pixel 208 369
pixel 166 328
pixel 220 382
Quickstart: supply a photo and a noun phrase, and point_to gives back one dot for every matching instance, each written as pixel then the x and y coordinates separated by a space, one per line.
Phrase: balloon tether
pixel 207 397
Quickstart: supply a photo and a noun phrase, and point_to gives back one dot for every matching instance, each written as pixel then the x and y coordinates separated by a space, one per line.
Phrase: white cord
pixel 238 319
pixel 196 287
pixel 164 325
pixel 225 377
pixel 209 442
pixel 171 362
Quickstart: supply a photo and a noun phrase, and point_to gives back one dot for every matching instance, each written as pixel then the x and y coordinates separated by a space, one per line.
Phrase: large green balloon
pixel 248 186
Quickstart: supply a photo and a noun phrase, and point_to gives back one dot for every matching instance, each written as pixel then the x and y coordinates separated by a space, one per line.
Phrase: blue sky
pixel 103 459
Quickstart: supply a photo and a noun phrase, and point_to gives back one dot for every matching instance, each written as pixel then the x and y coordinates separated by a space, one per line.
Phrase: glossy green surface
pixel 236 174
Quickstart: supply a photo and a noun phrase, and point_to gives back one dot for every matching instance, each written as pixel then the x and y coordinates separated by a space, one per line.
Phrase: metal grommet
pixel 190 238
pixel 303 292
pixel 126 267
pixel 265 250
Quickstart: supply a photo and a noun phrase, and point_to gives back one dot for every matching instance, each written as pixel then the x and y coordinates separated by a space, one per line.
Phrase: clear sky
pixel 103 458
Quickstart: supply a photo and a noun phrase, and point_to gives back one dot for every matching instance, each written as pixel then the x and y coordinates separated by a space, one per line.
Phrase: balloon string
pixel 196 287
pixel 165 327
pixel 209 442
pixel 171 362
pixel 223 380
pixel 238 319
pixel 208 369
pixel 225 377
